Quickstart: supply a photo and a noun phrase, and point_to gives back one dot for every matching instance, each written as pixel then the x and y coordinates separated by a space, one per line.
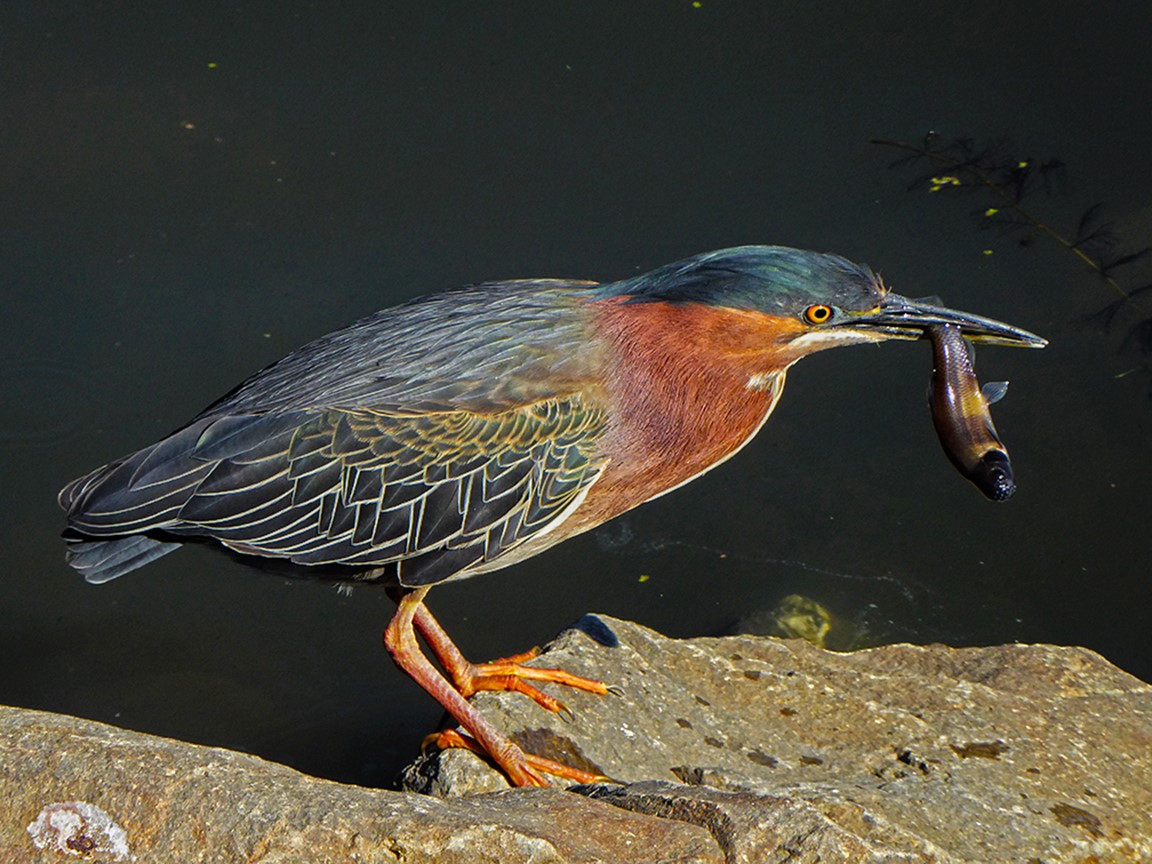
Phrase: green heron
pixel 465 431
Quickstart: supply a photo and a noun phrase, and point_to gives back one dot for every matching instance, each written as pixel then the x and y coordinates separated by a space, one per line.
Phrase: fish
pixel 961 416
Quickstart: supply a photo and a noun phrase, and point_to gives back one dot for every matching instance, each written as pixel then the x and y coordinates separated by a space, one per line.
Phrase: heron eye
pixel 818 314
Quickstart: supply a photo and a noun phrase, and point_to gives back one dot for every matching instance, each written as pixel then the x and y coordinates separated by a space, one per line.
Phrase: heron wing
pixel 432 494
pixel 485 348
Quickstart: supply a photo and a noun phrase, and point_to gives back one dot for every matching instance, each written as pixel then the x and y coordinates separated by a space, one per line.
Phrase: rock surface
pixel 737 749
pixel 1007 753
pixel 173 802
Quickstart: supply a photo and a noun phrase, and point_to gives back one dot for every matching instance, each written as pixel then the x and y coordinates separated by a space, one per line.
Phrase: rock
pixel 75 790
pixel 737 749
pixel 751 828
pixel 1007 753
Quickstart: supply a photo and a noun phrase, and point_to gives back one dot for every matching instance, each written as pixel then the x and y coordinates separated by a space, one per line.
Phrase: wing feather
pixel 429 495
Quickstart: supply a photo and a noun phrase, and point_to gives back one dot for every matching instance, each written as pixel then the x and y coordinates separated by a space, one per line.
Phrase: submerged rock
pixel 733 749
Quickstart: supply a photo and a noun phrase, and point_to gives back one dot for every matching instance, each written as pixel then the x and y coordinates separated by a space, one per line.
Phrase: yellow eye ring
pixel 818 314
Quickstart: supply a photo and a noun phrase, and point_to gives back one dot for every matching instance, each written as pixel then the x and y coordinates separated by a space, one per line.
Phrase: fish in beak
pixel 960 414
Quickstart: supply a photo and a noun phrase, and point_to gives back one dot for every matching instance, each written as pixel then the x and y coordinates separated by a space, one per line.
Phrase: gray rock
pixel 736 749
pixel 1007 753
pixel 752 828
pixel 75 790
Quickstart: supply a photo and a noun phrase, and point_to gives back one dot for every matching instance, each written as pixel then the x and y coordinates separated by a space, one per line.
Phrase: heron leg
pixel 400 640
pixel 506 673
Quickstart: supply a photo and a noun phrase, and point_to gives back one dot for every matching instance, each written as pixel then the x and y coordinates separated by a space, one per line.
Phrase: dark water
pixel 188 194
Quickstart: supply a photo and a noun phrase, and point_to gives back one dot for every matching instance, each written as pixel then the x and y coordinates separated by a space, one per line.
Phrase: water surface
pixel 188 194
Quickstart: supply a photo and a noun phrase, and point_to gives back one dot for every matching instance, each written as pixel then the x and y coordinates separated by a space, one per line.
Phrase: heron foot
pixel 460 679
pixel 534 765
pixel 505 673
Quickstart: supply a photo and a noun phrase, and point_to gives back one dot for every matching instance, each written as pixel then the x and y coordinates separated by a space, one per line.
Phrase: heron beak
pixel 904 318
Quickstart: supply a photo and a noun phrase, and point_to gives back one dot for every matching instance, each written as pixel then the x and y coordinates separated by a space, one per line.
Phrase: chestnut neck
pixel 687 384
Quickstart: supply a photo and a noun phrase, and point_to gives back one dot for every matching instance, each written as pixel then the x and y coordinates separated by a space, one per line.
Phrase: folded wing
pixel 430 494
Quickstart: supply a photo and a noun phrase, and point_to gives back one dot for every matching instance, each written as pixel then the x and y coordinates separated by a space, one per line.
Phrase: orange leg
pixel 400 640
pixel 503 674
pixel 523 769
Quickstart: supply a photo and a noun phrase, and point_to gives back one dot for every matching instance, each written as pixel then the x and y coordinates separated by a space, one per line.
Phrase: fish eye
pixel 818 314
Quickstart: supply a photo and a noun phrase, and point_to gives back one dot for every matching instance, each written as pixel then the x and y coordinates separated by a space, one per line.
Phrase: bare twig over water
pixel 1009 180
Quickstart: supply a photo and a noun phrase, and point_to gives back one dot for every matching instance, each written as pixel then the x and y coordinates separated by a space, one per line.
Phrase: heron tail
pixel 102 560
